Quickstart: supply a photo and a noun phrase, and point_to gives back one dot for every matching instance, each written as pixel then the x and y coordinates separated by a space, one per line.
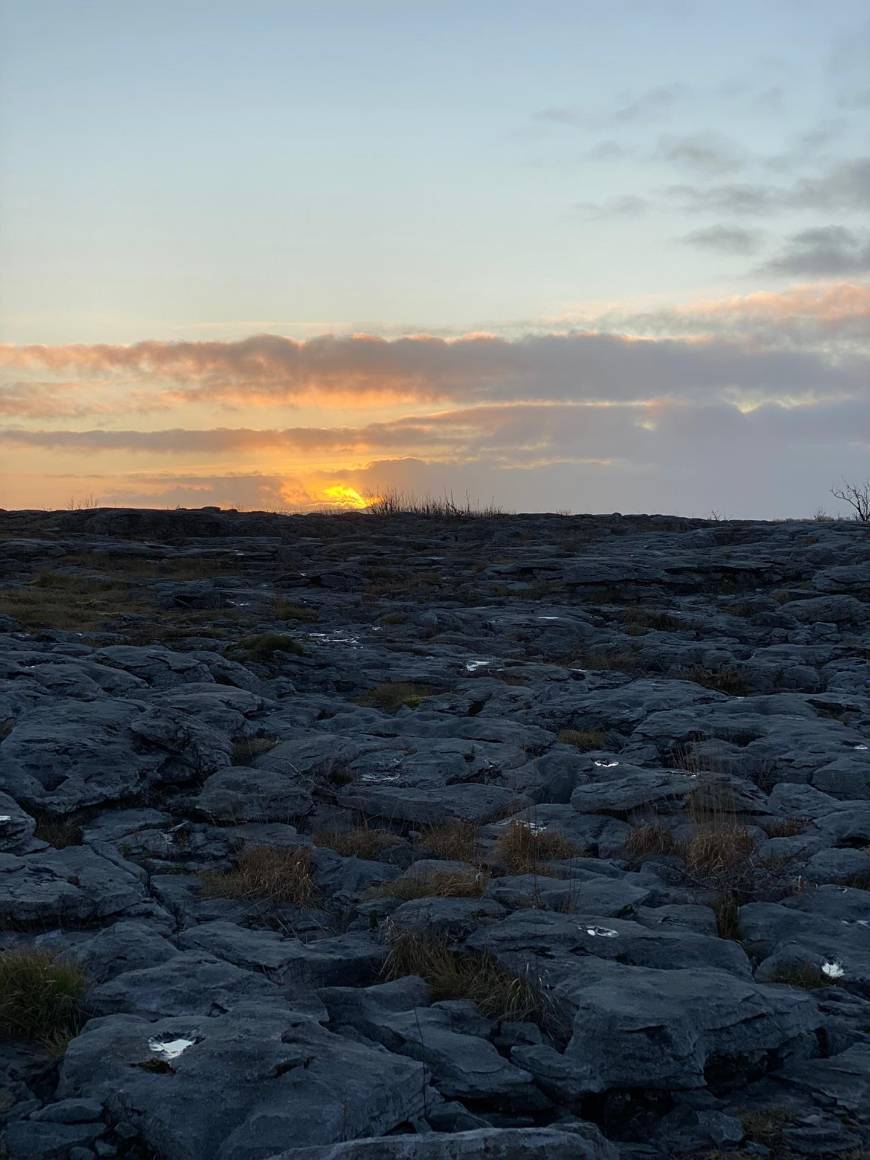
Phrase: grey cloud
pixel 648 104
pixel 823 252
pixel 844 187
pixel 726 239
pixel 626 205
pixel 703 153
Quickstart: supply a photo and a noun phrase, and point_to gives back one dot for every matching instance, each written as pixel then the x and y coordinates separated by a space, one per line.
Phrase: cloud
pixel 702 153
pixel 844 187
pixel 620 206
pixel 577 365
pixel 826 251
pixel 725 239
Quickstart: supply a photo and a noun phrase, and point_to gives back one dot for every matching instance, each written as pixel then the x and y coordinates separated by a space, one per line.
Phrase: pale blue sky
pixel 658 209
pixel 190 169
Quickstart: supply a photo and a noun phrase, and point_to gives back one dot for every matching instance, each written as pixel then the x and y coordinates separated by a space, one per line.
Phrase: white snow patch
pixel 832 969
pixel 5 817
pixel 473 666
pixel 549 618
pixel 601 931
pixel 170 1048
pixel 606 764
pixel 860 746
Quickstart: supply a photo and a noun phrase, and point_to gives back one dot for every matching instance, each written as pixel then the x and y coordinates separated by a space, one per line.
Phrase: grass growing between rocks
pixel 496 992
pixel 78 603
pixel 264 647
pixel 522 848
pixel 725 680
pixel 393 695
pixel 60 832
pixel 359 842
pixel 40 997
pixel 804 975
pixel 583 739
pixel 272 874
pixel 287 610
pixel 455 840
pixel 245 749
pixel 435 884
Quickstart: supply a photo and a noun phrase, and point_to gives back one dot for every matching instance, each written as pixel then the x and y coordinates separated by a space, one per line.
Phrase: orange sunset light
pixel 341 495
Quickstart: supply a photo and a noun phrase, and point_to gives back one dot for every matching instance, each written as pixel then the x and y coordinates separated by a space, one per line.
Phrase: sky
pixel 562 256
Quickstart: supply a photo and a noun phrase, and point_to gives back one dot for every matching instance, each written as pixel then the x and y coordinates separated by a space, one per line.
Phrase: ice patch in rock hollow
pixel 339 636
pixel 472 666
pixel 832 969
pixel 860 746
pixel 5 818
pixel 170 1048
pixel 601 932
pixel 535 827
pixel 606 764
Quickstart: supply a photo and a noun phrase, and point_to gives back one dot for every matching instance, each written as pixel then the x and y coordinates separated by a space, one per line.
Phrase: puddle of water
pixel 170 1048
pixel 549 618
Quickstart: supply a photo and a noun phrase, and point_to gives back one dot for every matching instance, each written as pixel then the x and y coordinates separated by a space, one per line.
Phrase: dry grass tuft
pixel 360 842
pixel 522 848
pixel 496 992
pixel 725 680
pixel 274 874
pixel 40 997
pixel 245 749
pixel 804 975
pixel 395 503
pixel 287 610
pixel 66 601
pixel 787 827
pixel 652 838
pixel 60 832
pixel 393 695
pixel 583 738
pixel 714 853
pixel 436 884
pixel 455 840
pixel 263 647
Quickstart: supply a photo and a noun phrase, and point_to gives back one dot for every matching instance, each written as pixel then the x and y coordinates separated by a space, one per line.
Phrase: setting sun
pixel 341 495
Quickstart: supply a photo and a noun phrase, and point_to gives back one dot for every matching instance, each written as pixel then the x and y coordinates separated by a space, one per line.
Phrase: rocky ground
pixel 358 837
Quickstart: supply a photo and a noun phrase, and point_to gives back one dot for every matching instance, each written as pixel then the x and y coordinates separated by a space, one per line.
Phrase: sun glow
pixel 341 495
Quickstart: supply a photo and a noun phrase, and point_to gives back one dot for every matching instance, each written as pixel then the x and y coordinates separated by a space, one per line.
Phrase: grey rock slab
pixel 603 896
pixel 567 1142
pixel 190 983
pixel 73 885
pixel 464 1066
pixel 474 802
pixel 243 794
pixel 242 1085
pixel 641 1028
pixel 28 1139
pixel 16 826
pixel 552 942
pixel 841 1083
pixel 453 918
pixel 632 789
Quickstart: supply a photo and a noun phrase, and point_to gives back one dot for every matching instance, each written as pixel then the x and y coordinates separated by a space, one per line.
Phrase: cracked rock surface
pixel 411 838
